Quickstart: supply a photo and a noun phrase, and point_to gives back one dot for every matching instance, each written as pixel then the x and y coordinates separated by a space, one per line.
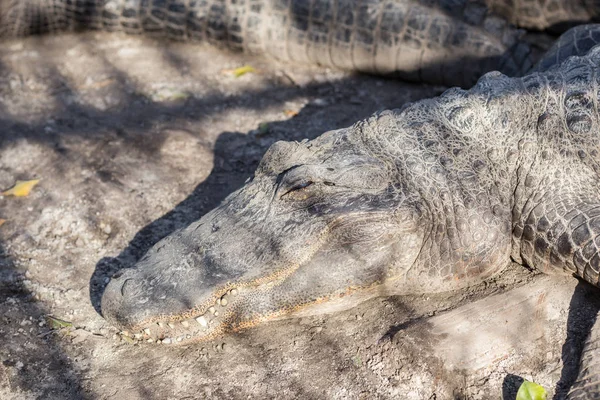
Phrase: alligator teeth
pixel 219 301
pixel 216 313
pixel 180 338
pixel 172 326
pixel 125 333
pixel 185 324
pixel 150 340
pixel 202 321
pixel 212 310
pixel 147 331
pixel 234 292
pixel 224 301
pixel 161 324
pixel 167 340
pixel 138 336
pixel 188 336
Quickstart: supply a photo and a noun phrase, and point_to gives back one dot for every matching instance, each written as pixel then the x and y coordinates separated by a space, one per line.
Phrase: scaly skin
pixel 545 14
pixel 575 42
pixel 433 197
pixel 416 40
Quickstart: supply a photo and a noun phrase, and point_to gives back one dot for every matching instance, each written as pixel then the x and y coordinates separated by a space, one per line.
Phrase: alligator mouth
pixel 192 326
pixel 318 278
pixel 221 313
pixel 221 316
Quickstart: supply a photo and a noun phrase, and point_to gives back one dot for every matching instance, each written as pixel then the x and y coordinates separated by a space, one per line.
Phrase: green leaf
pixel 263 128
pixel 56 323
pixel 243 71
pixel 531 391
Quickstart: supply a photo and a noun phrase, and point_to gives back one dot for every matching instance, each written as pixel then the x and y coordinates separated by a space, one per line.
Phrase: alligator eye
pixel 298 188
pixel 301 186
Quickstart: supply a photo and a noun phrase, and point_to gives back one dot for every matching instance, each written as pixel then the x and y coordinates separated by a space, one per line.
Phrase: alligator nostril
pixel 123 286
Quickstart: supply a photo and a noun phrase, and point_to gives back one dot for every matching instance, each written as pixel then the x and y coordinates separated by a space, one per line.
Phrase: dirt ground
pixel 133 139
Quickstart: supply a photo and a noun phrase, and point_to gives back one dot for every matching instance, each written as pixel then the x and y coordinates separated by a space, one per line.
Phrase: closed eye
pixel 298 187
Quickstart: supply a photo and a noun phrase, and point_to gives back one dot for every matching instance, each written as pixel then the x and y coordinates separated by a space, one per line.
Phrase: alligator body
pixel 545 14
pixel 450 42
pixel 433 197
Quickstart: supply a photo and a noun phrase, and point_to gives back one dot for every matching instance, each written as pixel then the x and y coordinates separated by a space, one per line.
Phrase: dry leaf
pixel 2 221
pixel 243 71
pixel 290 113
pixel 21 188
pixel 237 72
pixel 127 339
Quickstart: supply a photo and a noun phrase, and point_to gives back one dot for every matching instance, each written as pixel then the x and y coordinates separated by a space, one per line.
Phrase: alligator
pixel 433 197
pixel 449 42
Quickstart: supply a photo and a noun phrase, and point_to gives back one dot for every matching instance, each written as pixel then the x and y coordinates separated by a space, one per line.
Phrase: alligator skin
pixel 546 14
pixel 438 42
pixel 432 197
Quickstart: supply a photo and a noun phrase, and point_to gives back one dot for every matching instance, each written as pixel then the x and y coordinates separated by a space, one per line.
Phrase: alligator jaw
pixel 193 325
pixel 221 313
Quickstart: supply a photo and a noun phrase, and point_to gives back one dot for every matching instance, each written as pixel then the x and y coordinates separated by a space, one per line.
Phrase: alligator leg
pixel 564 235
pixel 587 385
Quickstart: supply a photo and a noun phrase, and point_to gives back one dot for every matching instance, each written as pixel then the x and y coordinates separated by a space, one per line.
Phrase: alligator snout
pixel 185 288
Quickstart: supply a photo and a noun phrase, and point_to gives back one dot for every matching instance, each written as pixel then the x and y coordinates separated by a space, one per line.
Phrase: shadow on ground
pixel 236 155
pixel 29 346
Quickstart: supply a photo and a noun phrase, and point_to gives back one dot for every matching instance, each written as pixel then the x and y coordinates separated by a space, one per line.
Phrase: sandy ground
pixel 133 139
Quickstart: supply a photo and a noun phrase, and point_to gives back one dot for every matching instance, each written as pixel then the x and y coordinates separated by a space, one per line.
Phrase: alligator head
pixel 320 224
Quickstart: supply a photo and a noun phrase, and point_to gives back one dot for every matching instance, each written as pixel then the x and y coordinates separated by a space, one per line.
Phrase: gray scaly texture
pixel 443 41
pixel 545 14
pixel 432 197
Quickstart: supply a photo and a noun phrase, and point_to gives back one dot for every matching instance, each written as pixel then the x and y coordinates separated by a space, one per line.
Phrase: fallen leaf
pixel 263 128
pixel 242 71
pixel 290 113
pixel 531 391
pixel 167 94
pixel 56 323
pixel 127 339
pixel 21 188
pixel 2 221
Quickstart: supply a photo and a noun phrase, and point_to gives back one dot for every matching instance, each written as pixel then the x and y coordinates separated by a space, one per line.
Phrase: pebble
pixel 319 102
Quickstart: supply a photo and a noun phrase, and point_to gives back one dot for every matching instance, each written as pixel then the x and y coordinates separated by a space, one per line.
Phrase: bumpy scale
pixel 432 197
pixel 445 41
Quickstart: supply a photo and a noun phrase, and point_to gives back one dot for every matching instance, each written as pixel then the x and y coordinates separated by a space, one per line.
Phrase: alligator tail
pixel 438 43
